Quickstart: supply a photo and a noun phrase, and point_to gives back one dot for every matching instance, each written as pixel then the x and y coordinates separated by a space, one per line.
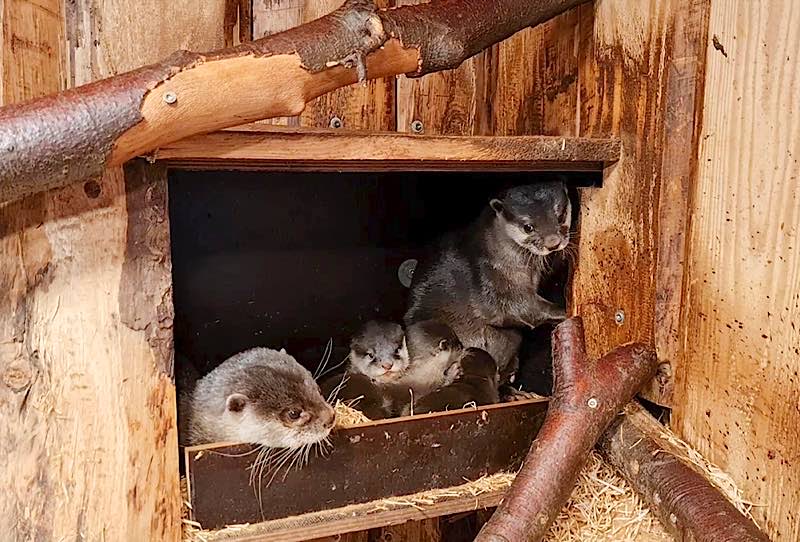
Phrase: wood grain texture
pixel 737 395
pixel 86 401
pixel 334 150
pixel 31 51
pixel 367 106
pixel 639 68
pixel 525 85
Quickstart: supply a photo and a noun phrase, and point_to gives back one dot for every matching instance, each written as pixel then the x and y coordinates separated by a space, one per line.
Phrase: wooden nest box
pixel 678 118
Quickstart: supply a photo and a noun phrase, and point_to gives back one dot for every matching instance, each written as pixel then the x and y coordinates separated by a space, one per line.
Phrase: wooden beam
pixel 336 150
pixel 368 462
pixel 60 139
pixel 360 517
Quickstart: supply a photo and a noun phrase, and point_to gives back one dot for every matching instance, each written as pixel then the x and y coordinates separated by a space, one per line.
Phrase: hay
pixel 347 416
pixel 603 507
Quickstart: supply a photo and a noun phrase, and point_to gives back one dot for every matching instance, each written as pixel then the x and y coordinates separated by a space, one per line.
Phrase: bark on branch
pixel 586 397
pixel 76 134
pixel 686 503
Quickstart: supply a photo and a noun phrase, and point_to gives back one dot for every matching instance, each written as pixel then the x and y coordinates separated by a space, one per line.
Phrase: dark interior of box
pixel 293 259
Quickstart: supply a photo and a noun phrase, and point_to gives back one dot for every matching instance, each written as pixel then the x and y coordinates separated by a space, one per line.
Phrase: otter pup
pixel 379 351
pixel 483 281
pixel 478 384
pixel 434 350
pixel 258 396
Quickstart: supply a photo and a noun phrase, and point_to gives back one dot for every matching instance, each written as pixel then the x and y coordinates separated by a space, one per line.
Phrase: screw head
pixel 592 403
pixel 336 122
pixel 417 127
pixel 170 97
pixel 619 317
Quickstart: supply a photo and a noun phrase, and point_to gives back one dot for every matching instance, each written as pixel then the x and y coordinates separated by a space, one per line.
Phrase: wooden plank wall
pixel 87 405
pixel 737 396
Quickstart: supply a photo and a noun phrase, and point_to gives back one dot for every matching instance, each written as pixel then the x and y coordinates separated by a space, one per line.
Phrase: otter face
pixel 536 217
pixel 278 405
pixel 379 351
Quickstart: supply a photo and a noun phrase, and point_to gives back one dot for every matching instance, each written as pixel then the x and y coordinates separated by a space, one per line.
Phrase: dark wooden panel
pixel 369 462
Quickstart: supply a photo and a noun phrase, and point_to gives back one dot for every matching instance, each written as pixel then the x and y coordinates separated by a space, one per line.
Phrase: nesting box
pixel 675 118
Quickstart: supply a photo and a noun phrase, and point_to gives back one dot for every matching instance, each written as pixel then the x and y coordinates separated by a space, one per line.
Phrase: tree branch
pixel 76 134
pixel 586 397
pixel 686 503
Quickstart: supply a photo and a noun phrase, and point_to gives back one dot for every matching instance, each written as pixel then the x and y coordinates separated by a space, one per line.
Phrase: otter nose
pixel 387 365
pixel 552 242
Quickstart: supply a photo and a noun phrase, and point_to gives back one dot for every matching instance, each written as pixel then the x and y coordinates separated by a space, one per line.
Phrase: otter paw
pixel 453 373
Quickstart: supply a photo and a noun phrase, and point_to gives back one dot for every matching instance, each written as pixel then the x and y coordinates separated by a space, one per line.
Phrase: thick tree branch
pixel 687 504
pixel 586 397
pixel 76 134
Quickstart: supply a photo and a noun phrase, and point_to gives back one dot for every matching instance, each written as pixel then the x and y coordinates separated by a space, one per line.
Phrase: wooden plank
pixel 368 462
pixel 87 409
pixel 369 106
pixel 32 49
pixel 524 85
pixel 334 150
pixel 737 393
pixel 360 519
pixel 619 276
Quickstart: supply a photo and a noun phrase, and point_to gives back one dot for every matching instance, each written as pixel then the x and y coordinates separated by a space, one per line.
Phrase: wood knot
pixel 17 378
pixel 92 189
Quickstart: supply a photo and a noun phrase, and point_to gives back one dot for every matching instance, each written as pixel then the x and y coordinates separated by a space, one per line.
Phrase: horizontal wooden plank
pixel 368 462
pixel 360 517
pixel 334 150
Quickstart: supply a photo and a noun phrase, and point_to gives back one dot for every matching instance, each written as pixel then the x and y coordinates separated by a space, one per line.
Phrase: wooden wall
pixel 737 396
pixel 88 444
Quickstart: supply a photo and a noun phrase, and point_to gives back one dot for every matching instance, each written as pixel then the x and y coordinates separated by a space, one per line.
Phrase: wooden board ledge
pixel 335 150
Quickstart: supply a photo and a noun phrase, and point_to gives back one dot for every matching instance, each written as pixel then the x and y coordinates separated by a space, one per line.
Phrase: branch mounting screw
pixel 336 122
pixel 417 127
pixel 619 317
pixel 592 403
pixel 170 97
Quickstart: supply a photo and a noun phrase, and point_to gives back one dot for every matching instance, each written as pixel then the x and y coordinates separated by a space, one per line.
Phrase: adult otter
pixel 483 281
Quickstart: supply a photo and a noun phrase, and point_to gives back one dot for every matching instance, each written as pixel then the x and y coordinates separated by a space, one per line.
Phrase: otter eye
pixel 294 413
pixel 369 357
pixel 527 228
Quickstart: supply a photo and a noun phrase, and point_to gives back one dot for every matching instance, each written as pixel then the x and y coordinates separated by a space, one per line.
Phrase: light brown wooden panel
pixel 524 85
pixel 737 396
pixel 87 405
pixel 369 106
pixel 639 69
pixel 32 49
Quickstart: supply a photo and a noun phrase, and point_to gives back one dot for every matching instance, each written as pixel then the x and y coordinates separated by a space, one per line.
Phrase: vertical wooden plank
pixel 87 404
pixel 640 68
pixel 737 394
pixel 524 85
pixel 369 106
pixel 31 52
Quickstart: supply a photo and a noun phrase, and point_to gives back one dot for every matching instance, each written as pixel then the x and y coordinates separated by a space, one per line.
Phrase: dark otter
pixel 259 396
pixel 483 281
pixel 478 384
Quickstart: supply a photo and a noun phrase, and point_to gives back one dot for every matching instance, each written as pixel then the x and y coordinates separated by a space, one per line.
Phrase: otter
pixel 478 384
pixel 389 366
pixel 379 351
pixel 259 396
pixel 483 281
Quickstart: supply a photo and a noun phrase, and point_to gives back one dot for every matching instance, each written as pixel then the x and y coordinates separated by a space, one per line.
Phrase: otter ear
pixel 497 205
pixel 282 351
pixel 236 402
pixel 444 344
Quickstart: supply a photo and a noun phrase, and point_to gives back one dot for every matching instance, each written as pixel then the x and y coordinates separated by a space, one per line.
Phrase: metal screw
pixel 592 402
pixel 619 317
pixel 417 127
pixel 336 122
pixel 170 97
